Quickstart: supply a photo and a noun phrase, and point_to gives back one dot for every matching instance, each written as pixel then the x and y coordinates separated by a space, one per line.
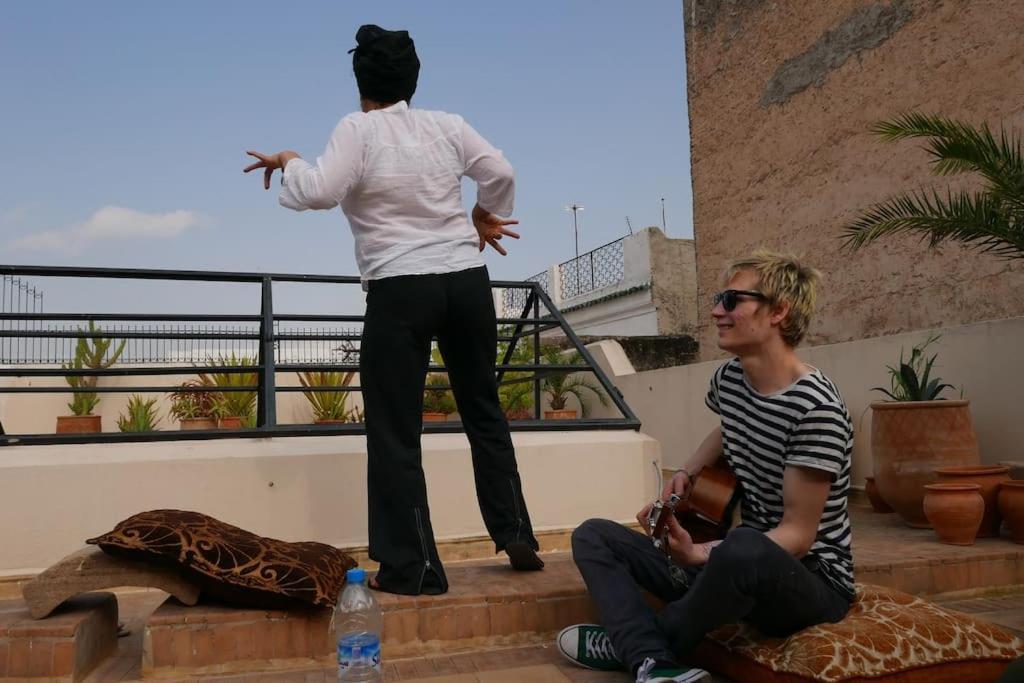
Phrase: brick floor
pixel 494 619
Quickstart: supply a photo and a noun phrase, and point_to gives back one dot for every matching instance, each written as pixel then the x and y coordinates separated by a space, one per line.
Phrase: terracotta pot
pixel 878 503
pixel 79 424
pixel 327 421
pixel 909 441
pixel 191 423
pixel 230 422
pixel 988 477
pixel 565 414
pixel 1016 468
pixel 955 511
pixel 1011 506
pixel 435 417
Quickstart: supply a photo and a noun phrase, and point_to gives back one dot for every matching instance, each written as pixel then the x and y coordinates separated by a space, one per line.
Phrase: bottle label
pixel 359 652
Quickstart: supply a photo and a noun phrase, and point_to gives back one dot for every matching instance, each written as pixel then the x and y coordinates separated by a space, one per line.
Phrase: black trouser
pixel 402 315
pixel 748 577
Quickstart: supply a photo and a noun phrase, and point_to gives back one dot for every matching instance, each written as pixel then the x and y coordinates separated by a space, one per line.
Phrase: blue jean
pixel 748 577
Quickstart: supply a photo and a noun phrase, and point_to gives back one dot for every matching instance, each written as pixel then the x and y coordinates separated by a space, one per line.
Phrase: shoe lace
pixel 644 672
pixel 598 646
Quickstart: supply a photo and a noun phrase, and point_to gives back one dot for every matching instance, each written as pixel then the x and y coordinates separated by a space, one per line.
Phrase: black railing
pixel 598 268
pixel 268 333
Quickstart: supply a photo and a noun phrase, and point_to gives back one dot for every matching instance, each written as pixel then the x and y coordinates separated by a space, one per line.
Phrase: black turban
pixel 385 64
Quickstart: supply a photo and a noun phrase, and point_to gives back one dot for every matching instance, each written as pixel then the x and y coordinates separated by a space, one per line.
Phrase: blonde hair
pixel 783 279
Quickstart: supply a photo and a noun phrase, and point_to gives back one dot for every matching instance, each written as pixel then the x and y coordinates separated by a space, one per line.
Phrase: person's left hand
pixel 680 543
pixel 270 162
pixel 492 228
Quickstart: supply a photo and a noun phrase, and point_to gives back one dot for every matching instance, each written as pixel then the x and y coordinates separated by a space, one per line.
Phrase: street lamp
pixel 576 207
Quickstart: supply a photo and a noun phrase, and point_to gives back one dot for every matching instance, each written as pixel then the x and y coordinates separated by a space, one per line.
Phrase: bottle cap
pixel 357 575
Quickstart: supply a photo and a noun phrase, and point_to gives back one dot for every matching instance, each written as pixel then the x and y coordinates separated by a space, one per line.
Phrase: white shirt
pixel 396 174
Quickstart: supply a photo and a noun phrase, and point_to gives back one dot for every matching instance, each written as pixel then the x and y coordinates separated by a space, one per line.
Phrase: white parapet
pixel 52 498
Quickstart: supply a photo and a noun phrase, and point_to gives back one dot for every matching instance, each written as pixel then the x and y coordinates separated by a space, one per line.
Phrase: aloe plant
pixel 141 417
pixel 188 404
pixel 233 403
pixel 911 380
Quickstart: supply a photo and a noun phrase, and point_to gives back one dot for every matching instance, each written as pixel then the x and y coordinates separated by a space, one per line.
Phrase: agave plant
pixel 912 380
pixel 327 405
pixel 990 218
pixel 142 415
pixel 560 385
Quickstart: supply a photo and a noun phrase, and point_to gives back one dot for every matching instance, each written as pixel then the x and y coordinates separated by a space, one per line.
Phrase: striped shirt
pixel 804 425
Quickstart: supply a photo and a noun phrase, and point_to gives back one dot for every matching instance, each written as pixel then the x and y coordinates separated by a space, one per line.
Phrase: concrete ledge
pixel 299 488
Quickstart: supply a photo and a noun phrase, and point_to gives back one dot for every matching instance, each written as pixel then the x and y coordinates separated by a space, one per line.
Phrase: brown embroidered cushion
pixel 232 564
pixel 886 636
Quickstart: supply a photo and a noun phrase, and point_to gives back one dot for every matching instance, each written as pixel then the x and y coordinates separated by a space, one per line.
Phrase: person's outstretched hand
pixel 270 162
pixel 492 228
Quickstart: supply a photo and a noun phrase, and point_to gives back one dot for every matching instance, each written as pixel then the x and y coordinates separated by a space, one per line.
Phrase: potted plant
pixel 915 432
pixel 438 401
pixel 560 385
pixel 329 407
pixel 515 393
pixel 233 409
pixel 141 416
pixel 194 409
pixel 92 353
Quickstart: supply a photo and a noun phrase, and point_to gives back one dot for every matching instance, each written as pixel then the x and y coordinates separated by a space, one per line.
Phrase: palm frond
pixel 975 220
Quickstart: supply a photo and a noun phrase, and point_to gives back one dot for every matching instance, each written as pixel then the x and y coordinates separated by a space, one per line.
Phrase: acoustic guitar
pixel 709 511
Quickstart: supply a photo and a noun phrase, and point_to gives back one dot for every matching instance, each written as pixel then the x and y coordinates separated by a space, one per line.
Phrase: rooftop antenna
pixel 629 225
pixel 663 225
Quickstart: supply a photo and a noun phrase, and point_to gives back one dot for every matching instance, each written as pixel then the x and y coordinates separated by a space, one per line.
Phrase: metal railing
pixel 209 342
pixel 515 299
pixel 19 296
pixel 598 268
pixel 265 332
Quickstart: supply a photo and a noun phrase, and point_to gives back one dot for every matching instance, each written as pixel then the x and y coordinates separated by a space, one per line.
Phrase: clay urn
pixel 878 503
pixel 563 414
pixel 954 511
pixel 988 477
pixel 1011 506
pixel 909 441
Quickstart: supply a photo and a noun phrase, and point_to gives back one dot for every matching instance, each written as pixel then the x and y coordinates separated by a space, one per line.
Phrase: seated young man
pixel 787 436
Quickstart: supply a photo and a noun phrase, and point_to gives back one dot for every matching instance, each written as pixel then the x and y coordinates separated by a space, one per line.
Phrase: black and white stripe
pixel 804 425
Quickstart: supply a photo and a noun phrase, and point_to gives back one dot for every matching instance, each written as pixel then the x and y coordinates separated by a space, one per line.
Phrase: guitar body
pixel 714 499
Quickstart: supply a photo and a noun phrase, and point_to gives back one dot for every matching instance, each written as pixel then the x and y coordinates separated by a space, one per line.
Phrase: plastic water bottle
pixel 357 623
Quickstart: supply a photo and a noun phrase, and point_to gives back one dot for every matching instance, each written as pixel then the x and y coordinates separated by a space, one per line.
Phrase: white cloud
pixel 110 223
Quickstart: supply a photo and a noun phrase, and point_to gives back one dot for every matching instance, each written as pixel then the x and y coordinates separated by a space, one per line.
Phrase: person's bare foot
pixel 523 557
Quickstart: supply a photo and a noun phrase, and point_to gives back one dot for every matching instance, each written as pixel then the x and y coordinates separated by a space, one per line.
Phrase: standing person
pixel 395 171
pixel 787 436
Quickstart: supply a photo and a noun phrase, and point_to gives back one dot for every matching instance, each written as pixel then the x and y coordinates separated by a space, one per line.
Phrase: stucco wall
pixel 980 358
pixel 781 95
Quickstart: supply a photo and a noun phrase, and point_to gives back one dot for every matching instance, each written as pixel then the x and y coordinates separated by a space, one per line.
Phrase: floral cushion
pixel 886 636
pixel 232 564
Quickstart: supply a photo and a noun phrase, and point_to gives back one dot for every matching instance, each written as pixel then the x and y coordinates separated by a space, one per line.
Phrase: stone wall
pixel 781 95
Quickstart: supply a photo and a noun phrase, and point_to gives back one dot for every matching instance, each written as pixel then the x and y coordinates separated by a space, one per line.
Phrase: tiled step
pixel 65 646
pixel 489 605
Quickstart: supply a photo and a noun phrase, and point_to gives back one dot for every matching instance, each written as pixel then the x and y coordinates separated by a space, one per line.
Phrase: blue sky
pixel 124 128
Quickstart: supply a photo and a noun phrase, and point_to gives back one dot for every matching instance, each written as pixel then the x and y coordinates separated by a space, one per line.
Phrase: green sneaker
pixel 648 674
pixel 588 646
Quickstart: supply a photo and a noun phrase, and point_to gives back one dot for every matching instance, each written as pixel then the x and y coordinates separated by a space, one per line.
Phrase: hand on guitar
pixel 680 484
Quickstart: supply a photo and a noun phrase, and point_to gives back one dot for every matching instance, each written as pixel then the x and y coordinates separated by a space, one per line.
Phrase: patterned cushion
pixel 232 564
pixel 886 636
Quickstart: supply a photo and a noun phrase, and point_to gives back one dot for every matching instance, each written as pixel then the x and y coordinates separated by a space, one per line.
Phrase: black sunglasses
pixel 730 297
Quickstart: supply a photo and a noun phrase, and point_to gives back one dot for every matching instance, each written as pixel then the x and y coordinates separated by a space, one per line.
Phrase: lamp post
pixel 576 207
